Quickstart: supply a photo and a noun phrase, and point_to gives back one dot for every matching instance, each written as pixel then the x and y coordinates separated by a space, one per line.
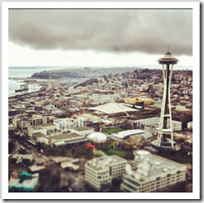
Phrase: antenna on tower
pixel 168 49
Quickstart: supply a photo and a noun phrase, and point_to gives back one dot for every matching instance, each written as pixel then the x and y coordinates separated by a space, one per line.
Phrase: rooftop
pixel 82 128
pixel 60 159
pixel 48 125
pixel 35 168
pixel 112 108
pixel 23 156
pixel 39 134
pixel 65 136
pixel 101 163
pixel 126 133
pixel 150 165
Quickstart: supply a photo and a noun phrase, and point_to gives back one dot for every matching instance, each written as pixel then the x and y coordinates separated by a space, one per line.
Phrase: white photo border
pixel 196 100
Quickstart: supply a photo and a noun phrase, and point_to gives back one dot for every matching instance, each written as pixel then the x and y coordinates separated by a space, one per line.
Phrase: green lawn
pixel 105 147
pixel 158 104
pixel 122 154
pixel 111 130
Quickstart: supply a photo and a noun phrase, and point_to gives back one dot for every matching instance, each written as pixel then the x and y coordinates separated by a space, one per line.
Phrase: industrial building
pixel 152 173
pixel 100 171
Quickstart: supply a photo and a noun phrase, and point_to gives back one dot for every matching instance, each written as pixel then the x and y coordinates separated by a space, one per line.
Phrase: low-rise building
pixel 68 123
pixel 190 125
pixel 38 120
pixel 36 169
pixel 23 124
pixel 83 131
pixel 38 136
pixel 152 173
pixel 100 171
pixel 22 158
pixel 66 139
pixel 151 124
pixel 36 129
pixel 141 134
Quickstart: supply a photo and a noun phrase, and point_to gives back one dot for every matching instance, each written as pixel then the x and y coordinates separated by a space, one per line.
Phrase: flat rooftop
pixel 23 156
pixel 101 163
pixel 60 159
pixel 127 133
pixel 65 136
pixel 151 165
pixel 150 121
pixel 48 125
pixel 82 128
pixel 35 168
pixel 39 134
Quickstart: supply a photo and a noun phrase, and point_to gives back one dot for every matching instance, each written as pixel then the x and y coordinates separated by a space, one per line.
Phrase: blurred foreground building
pixel 152 173
pixel 100 171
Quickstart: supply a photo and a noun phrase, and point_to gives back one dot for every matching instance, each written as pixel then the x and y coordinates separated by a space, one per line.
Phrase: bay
pixel 22 72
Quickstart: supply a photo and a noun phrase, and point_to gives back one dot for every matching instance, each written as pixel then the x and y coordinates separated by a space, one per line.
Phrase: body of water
pixel 22 72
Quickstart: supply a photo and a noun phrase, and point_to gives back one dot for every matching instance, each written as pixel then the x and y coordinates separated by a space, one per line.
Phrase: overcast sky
pixel 98 37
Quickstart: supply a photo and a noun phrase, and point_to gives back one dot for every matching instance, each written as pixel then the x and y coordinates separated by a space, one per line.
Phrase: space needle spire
pixel 165 131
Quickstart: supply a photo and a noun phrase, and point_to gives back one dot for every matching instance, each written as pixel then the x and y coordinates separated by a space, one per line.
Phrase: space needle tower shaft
pixel 164 129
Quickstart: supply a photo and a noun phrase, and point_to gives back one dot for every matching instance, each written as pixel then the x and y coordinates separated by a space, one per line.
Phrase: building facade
pixel 100 171
pixel 152 173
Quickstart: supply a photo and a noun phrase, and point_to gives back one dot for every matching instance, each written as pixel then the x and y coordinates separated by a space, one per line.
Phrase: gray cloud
pixel 130 30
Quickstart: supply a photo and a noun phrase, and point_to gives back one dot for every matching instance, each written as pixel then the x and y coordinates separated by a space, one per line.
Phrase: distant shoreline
pixel 20 78
pixel 27 79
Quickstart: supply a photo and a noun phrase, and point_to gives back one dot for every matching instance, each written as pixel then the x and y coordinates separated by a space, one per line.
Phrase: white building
pixel 36 129
pixel 151 124
pixel 176 125
pixel 100 171
pixel 45 129
pixel 53 84
pixel 152 173
pixel 190 125
pixel 120 136
pixel 68 123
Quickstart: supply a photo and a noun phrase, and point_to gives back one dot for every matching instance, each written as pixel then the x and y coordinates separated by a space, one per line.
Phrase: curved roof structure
pixel 112 108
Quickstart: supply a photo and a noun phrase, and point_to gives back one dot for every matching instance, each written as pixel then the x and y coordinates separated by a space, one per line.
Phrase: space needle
pixel 164 139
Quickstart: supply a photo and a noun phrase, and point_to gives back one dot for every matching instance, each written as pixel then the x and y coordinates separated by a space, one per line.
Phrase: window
pixel 158 178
